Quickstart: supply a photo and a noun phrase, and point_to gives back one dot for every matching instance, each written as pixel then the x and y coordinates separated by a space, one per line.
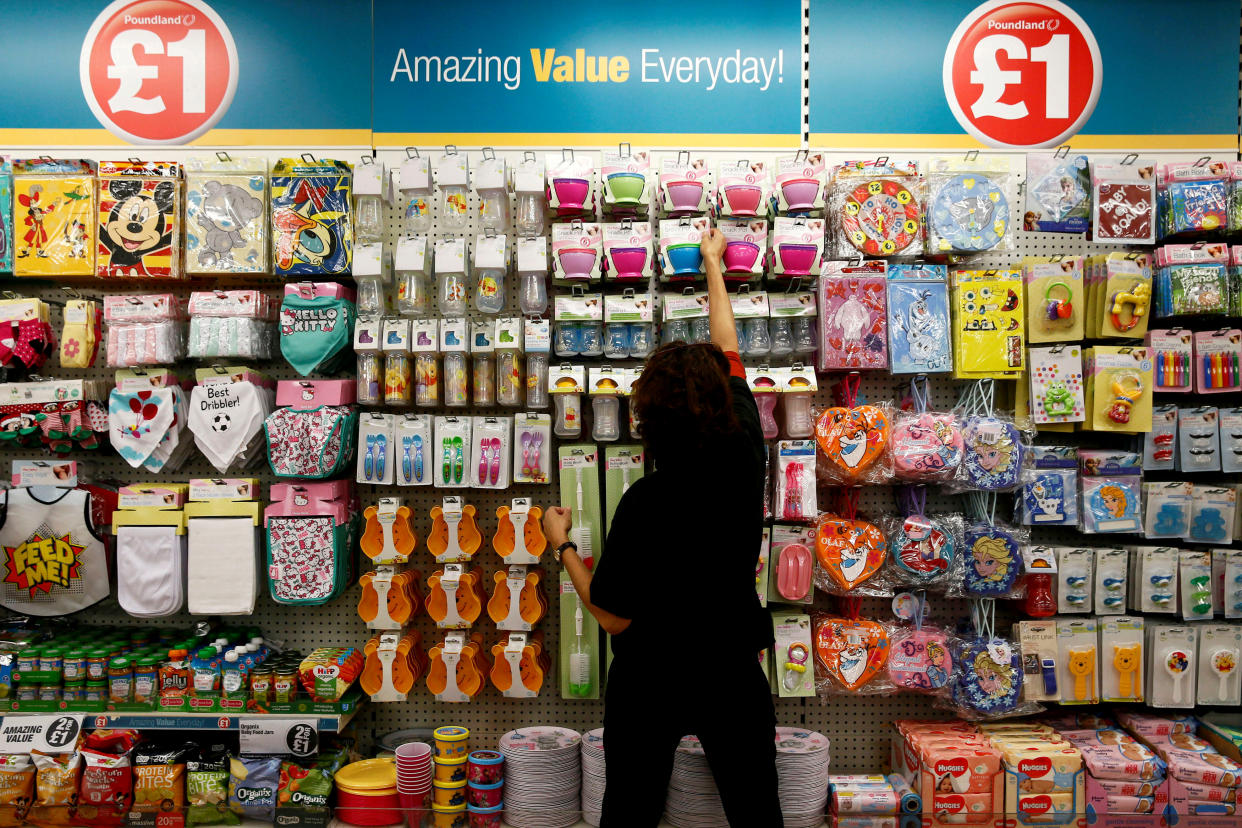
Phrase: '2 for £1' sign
pixel 158 71
pixel 1022 74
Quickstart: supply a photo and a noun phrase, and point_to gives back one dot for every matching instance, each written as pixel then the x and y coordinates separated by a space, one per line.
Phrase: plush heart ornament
pixel 851 440
pixel 849 551
pixel 921 660
pixel 989 677
pixel 926 446
pixel 923 549
pixel 852 651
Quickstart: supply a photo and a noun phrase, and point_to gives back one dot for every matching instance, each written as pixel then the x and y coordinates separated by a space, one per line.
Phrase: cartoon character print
pixel 927 446
pixel 920 660
pixel 994 454
pixel 988 683
pixel 849 551
pixel 923 332
pixel 139 223
pixel 924 548
pixel 855 322
pixel 305 443
pixel 852 439
pixel 225 213
pixel 994 565
pixel 1045 499
pixel 36 210
pixel 301 555
pixel 75 237
pixel 310 225
pixel 852 651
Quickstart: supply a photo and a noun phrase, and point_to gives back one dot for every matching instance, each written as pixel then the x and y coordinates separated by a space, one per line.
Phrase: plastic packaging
pixel 456 384
pixel 483 379
pixel 226 215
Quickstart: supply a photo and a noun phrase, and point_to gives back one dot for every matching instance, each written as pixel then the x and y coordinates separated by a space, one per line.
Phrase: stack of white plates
pixel 593 767
pixel 543 773
pixel 802 771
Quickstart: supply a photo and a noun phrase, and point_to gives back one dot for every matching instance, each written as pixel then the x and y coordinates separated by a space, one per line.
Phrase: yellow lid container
pixel 368 775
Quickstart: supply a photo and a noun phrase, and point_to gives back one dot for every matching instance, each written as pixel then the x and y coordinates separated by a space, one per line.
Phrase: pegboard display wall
pixel 857 726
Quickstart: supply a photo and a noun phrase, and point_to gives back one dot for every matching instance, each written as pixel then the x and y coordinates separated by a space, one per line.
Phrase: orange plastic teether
pixel 469 539
pixel 470 599
pixel 532 534
pixel 404 539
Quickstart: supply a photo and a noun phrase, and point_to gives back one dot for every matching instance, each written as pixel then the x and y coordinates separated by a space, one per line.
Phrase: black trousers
pixel 732 714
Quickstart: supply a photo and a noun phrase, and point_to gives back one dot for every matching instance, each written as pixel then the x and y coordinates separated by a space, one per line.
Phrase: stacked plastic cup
pixel 485 773
pixel 414 779
pixel 448 774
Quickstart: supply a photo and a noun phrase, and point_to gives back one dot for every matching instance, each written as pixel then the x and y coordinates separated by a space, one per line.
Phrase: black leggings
pixel 733 716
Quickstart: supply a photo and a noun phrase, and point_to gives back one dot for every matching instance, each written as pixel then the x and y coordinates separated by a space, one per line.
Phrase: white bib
pixel 53 563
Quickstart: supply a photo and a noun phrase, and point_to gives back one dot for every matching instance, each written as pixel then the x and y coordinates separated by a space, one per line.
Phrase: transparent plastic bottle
pixel 494 209
pixel 781 334
pixel 454 210
pixel 426 380
pixel 568 339
pixel 533 293
pixel 453 294
pixel 641 339
pixel 397 374
pixel 700 330
pixel 370 296
pixel 456 385
pixel 414 293
pixel 489 291
pixel 757 342
pixel 508 379
pixel 417 210
pixel 568 419
pixel 368 219
pixel 616 340
pixel 676 330
pixel 804 335
pixel 592 339
pixel 605 418
pixel 483 375
pixel 369 379
pixel 537 380
pixel 531 208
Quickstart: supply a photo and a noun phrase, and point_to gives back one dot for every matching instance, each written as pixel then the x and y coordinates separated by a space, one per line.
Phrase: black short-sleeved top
pixel 680 558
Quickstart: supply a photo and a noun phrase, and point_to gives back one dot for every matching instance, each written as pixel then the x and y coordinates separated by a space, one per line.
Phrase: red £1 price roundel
pixel 1022 73
pixel 158 71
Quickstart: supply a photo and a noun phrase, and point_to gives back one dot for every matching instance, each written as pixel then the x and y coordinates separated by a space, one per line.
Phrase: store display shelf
pixel 157 720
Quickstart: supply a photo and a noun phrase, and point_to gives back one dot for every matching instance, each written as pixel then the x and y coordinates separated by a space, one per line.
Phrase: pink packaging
pixel 1079 721
pixel 1100 792
pixel 1130 804
pixel 959 770
pixel 307 394
pixel 1205 768
pixel 1097 737
pixel 1150 726
pixel 1125 761
pixel 1199 808
pixel 1180 741
pixel 318 290
pixel 1207 793
pixel 962 807
pixel 1127 787
pixel 853 321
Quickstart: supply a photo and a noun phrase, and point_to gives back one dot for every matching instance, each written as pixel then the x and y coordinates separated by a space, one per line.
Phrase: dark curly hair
pixel 682 401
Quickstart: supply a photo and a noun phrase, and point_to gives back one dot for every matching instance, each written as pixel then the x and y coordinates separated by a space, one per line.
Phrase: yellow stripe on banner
pixel 913 140
pixel 562 139
pixel 44 138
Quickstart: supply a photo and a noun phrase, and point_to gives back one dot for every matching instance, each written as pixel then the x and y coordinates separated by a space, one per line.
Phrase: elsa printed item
pixel 918 319
pixel 994 453
pixel 989 681
pixel 1058 194
pixel 993 563
pixel 1111 491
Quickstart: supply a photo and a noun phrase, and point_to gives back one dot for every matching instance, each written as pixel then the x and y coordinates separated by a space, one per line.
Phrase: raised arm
pixel 724 334
pixel 556 526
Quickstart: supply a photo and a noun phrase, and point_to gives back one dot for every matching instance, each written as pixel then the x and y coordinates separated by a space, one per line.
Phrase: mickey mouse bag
pixel 139 220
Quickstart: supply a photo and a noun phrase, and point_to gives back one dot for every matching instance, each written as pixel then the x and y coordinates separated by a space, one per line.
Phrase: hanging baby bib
pixel 54 563
pixel 313 332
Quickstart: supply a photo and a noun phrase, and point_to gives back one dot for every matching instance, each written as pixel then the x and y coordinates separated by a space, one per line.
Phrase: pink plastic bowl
pixel 800 193
pixel 577 262
pixel 743 198
pixel 685 195
pixel 628 261
pixel 739 256
pixel 571 193
pixel 796 259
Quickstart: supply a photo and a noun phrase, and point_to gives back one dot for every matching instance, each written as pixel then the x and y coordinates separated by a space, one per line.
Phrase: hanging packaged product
pixel 624 466
pixel 1173 651
pixel 316 326
pixel 853 653
pixel 606 386
pixel 1220 646
pixel 227 413
pixel 994 568
pixel 750 314
pixel 147 415
pixel 232 324
pixel 1231 440
pixel 988 324
pixel 765 387
pixel 1111 491
pixel 1199 439
pixel 801 183
pixel 628 247
pixel 680 259
pixel 926 446
pixel 1040 563
pixel 388 537
pixel 1056 384
pixel 372 274
pixel 411 440
pixel 490 266
pixel 580 663
pixel 1056 298
pixel 571 184
pixel 82 332
pixel 628 325
pixel 226 215
pixel 451 451
pixel 520 664
pixel 59 561
pixel 489 461
pixel 789 578
pixel 1172 357
pixel 685 317
pixel 6 214
pixel 995 449
pixel 144 330
pixel 1124 201
pixel 877 208
pixel 1118 389
pixel 139 220
pixel 1155 578
pixel 918 318
pixel 989 682
pixel 423 343
pixel 579 485
pixel 794 675
pixel 1166 509
pixel 483 362
pixel 1192 198
pixel 797 385
pixel 792 324
pixel 1075 579
pixel 1077 639
pixel 797 247
pixel 455 346
pixel 628 181
pixel 579 324
pixel 537 338
pixel 1218 361
pixel 394 663
pixel 746 246
pixel 1112 568
pixel 27 339
pixel 311 530
pixel 743 189
pixel 577 252
pixel 509 362
pixel 1191 280
pixel 566 384
pixel 376 448
pixel 519 520
pixel 854 440
pixel 853 327
pixel 222 520
pixel 54 217
pixel 1058 193
pixel 398 368
pixel 311 434
pixel 851 552
pixel 926 549
pixel 454 535
pixel 372 192
pixel 532 446
pixel 412 266
pixel 1160 444
pixel 685 185
pixel 968 208
pixel 795 481
pixel 1212 511
pixel 312 228
pixel 921 657
pixel 1118 295
pixel 1050 487
pixel 368 336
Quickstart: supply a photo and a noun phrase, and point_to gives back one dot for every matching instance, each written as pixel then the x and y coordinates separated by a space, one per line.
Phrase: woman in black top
pixel 675 587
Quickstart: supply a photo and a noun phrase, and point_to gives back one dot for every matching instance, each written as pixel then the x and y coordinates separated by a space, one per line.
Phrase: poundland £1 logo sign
pixel 158 71
pixel 1022 74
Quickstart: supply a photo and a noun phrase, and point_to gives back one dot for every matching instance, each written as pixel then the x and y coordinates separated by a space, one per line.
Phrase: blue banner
pixel 494 72
pixel 1169 74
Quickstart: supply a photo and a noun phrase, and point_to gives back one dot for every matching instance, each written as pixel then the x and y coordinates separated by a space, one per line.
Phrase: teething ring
pixel 1126 390
pixel 1059 308
pixel 1137 298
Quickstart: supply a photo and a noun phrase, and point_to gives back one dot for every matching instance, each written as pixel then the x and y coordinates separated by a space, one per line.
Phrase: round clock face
pixel 881 217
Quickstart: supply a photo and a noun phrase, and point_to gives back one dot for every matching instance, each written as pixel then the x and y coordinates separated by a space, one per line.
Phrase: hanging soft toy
pixel 852 651
pixel 852 438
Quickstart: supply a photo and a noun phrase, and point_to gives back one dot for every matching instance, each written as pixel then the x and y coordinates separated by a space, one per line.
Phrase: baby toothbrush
pixel 580 658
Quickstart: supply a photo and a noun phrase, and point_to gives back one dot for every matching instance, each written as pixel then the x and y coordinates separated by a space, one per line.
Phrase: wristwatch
pixel 558 551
